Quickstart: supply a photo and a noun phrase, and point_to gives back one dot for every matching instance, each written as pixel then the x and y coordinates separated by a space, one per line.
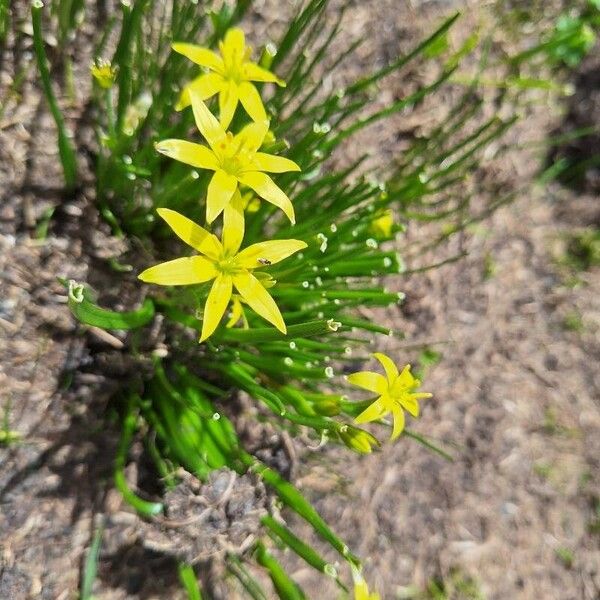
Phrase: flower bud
pixel 104 73
pixel 358 440
pixel 328 407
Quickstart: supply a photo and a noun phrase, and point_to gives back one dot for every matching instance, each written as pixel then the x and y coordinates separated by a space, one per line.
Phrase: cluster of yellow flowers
pixel 235 160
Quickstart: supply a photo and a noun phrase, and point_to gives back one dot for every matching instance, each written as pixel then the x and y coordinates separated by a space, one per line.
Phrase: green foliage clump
pixel 350 218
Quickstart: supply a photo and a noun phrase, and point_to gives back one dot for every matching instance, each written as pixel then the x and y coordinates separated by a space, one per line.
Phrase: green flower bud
pixel 358 440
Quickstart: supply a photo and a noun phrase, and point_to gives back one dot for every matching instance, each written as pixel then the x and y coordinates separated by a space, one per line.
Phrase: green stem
pixel 65 148
pixel 144 507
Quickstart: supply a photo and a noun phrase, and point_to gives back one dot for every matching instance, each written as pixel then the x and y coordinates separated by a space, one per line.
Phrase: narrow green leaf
pixel 298 503
pixel 428 444
pixel 144 507
pixel 432 40
pixel 189 581
pixel 248 582
pixel 286 588
pixel 266 334
pixel 84 309
pixel 91 565
pixel 302 549
pixel 65 148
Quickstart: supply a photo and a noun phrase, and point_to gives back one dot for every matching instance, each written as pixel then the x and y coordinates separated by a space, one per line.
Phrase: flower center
pixel 228 266
pixel 234 65
pixel 233 72
pixel 233 156
pixel 399 389
pixel 231 165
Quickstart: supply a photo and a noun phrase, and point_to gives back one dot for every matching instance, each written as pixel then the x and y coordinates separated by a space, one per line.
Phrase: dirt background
pixel 516 393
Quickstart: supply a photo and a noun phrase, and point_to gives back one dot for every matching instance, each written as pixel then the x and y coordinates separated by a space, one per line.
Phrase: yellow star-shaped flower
pixel 396 393
pixel 235 159
pixel 223 262
pixel 230 75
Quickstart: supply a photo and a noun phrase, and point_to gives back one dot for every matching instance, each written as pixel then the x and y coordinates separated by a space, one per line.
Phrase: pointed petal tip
pixel 161 148
pixel 164 212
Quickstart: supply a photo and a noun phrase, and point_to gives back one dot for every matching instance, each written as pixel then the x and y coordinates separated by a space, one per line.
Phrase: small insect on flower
pixel 222 261
pixel 396 393
pixel 104 73
pixel 235 159
pixel 230 76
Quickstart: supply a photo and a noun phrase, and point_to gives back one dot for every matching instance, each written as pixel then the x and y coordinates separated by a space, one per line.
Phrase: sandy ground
pixel 516 394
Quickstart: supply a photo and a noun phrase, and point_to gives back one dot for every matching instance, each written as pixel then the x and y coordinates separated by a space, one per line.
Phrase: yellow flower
pixel 396 393
pixel 104 73
pixel 230 75
pixel 361 589
pixel 382 225
pixel 235 159
pixel 221 261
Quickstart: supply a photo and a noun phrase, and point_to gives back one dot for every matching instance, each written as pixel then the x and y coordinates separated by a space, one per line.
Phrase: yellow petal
pixel 220 190
pixel 228 101
pixel 181 271
pixel 201 56
pixel 192 154
pixel 192 234
pixel 251 101
pixel 237 312
pixel 273 164
pixel 387 363
pixel 410 404
pixel 206 122
pixel 368 380
pixel 361 591
pixel 371 413
pixel 253 72
pixel 382 225
pixel 259 299
pixel 233 224
pixel 265 187
pixel 406 378
pixel 233 46
pixel 216 303
pixel 251 137
pixel 206 85
pixel 398 428
pixel 267 253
